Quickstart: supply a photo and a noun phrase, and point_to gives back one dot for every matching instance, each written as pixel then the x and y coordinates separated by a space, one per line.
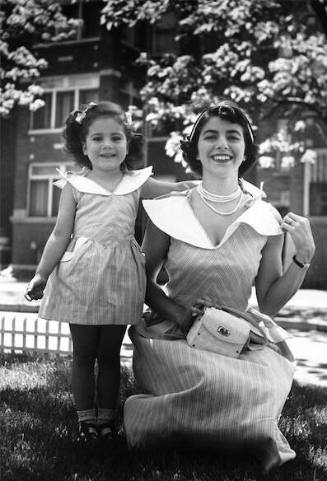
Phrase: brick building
pixel 99 64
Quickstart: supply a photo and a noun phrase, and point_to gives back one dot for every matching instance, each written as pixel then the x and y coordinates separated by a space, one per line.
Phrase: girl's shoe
pixel 108 431
pixel 87 432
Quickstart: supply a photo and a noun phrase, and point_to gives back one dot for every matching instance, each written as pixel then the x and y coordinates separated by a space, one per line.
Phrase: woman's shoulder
pixel 263 217
pixel 172 214
pixel 163 203
pixel 251 189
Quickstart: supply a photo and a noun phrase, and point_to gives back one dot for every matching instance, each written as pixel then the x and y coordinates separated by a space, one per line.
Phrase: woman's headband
pixel 218 108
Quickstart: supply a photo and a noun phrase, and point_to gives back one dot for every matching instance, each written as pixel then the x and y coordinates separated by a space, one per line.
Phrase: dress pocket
pixel 73 247
pixel 68 255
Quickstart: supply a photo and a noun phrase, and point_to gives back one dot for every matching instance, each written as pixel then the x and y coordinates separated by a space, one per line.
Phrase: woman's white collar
pixel 173 215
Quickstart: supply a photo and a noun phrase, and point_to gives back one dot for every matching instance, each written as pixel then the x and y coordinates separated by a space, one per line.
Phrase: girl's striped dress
pixel 195 398
pixel 100 278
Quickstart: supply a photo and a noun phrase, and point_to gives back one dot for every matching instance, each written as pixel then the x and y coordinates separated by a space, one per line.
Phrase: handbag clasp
pixel 223 331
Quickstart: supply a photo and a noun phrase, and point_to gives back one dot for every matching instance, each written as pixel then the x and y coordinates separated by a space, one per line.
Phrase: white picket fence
pixel 22 332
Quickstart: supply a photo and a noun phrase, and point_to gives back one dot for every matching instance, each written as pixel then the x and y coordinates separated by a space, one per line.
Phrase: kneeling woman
pixel 215 241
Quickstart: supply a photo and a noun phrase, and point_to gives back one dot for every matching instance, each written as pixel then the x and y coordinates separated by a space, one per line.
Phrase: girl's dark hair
pixel 226 110
pixel 77 125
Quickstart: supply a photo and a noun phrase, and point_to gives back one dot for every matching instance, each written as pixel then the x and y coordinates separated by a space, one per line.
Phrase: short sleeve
pixel 61 184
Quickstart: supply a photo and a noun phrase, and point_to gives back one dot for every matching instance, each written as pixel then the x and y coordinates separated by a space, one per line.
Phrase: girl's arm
pixel 273 287
pixel 155 246
pixel 154 188
pixel 56 244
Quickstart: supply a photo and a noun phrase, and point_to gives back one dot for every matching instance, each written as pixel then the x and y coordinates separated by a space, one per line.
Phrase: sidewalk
pixel 308 300
pixel 304 316
pixel 12 296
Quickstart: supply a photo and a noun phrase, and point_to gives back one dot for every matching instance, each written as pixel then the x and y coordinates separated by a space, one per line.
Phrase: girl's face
pixel 221 146
pixel 105 144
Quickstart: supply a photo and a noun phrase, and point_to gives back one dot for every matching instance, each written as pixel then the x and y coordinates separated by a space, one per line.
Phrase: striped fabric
pixel 200 399
pixel 101 278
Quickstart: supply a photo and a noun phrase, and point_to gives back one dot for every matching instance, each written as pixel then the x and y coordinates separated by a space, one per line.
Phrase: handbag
pixel 226 331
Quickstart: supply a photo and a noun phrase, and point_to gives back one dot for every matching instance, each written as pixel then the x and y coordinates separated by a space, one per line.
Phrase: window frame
pixel 51 179
pixel 316 173
pixel 53 91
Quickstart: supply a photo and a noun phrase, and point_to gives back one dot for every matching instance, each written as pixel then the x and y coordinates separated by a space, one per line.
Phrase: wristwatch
pixel 299 263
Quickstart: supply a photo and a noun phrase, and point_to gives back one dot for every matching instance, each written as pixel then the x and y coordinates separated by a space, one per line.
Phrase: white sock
pixel 87 416
pixel 105 415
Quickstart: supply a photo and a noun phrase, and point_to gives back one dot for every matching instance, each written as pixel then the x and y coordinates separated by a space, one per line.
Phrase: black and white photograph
pixel 163 232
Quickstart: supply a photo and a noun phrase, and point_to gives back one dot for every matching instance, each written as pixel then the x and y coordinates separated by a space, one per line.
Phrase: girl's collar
pixel 131 181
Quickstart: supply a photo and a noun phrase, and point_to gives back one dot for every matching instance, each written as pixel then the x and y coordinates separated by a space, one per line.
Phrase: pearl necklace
pixel 230 212
pixel 216 198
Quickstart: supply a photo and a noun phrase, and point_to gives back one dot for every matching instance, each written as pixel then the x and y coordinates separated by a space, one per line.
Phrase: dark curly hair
pixel 226 110
pixel 77 126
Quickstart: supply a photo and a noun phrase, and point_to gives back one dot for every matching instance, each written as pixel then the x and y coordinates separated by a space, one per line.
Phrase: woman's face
pixel 221 147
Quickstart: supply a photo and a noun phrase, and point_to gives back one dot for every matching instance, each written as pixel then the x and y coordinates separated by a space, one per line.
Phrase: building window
pixel 43 195
pixel 64 105
pixel 318 185
pixel 86 96
pixel 318 198
pixel 163 35
pixel 58 104
pixel 41 119
pixel 88 12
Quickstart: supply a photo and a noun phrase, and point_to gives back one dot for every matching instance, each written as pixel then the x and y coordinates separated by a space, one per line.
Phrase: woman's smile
pixel 222 157
pixel 107 155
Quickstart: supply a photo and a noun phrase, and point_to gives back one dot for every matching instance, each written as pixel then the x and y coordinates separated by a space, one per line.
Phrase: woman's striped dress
pixel 195 398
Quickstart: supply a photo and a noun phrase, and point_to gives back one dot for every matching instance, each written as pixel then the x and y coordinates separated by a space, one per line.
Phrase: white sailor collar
pixel 131 181
pixel 174 215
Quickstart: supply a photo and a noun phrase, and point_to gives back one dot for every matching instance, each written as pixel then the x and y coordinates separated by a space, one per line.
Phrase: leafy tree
pixel 269 55
pixel 22 24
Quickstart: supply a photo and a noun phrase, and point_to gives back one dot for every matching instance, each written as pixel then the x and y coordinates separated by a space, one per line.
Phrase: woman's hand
pixel 35 288
pixel 300 231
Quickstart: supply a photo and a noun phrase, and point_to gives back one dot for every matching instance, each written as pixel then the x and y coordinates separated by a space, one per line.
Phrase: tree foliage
pixel 24 23
pixel 269 55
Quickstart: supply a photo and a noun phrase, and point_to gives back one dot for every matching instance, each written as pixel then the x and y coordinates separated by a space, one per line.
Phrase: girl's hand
pixel 35 288
pixel 201 303
pixel 300 231
pixel 184 317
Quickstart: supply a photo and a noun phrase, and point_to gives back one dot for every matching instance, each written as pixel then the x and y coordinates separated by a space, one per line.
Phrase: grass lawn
pixel 38 435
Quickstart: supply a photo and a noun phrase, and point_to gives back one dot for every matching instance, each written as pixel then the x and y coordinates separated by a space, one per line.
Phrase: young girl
pixel 92 268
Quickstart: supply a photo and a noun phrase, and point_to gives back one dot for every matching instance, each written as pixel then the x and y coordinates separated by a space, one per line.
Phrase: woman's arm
pixel 154 188
pixel 155 246
pixel 56 244
pixel 273 287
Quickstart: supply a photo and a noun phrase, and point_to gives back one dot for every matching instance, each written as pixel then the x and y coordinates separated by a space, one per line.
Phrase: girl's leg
pixel 85 342
pixel 109 345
